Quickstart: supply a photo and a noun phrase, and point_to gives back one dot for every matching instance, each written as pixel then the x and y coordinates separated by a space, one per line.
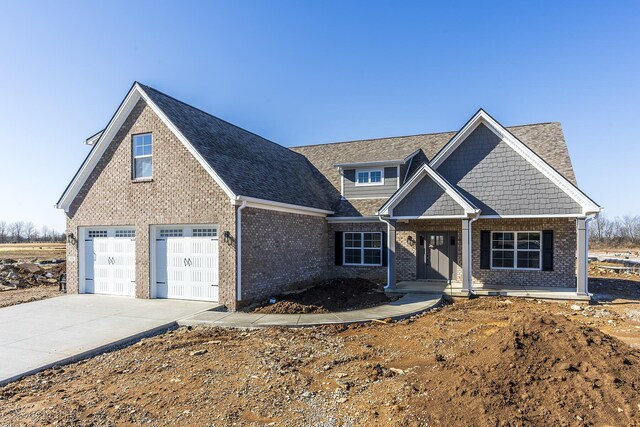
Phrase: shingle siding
pixel 427 199
pixel 181 192
pixel 390 185
pixel 501 182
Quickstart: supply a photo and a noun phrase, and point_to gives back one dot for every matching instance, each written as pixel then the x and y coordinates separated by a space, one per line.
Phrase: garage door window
pixel 125 233
pixel 97 233
pixel 171 232
pixel 205 232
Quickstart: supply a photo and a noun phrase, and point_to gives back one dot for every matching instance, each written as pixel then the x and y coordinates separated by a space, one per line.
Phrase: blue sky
pixel 304 72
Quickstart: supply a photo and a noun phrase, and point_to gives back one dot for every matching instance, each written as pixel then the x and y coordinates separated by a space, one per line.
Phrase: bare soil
pixel 481 362
pixel 330 296
pixel 36 293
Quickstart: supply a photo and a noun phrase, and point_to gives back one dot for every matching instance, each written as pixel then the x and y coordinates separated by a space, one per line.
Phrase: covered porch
pixel 418 262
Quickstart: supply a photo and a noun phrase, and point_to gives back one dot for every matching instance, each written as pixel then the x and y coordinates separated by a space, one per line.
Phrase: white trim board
pixel 482 117
pixel 253 202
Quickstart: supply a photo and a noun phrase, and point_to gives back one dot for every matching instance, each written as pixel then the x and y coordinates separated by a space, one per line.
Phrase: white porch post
pixel 391 253
pixel 466 256
pixel 582 287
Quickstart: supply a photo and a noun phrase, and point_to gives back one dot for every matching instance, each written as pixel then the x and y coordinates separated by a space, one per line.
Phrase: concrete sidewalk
pixel 407 306
pixel 37 335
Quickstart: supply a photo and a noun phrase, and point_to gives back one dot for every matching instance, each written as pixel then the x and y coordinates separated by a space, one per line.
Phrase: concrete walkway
pixel 37 335
pixel 407 306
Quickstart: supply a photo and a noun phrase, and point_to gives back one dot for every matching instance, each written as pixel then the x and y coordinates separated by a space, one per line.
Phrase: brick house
pixel 172 202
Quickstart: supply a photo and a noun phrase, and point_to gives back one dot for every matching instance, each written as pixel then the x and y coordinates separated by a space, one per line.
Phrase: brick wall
pixel 281 251
pixel 564 256
pixel 181 192
pixel 376 274
pixel 406 261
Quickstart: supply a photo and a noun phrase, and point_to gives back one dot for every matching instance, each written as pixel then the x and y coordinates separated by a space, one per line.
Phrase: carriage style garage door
pixel 187 262
pixel 110 261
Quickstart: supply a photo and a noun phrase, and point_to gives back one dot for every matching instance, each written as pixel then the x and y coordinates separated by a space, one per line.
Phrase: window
pixel 362 248
pixel 142 154
pixel 516 250
pixel 370 177
pixel 205 232
pixel 125 233
pixel 171 232
pixel 97 233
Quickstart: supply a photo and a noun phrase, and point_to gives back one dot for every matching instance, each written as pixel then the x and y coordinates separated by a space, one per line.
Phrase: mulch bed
pixel 330 296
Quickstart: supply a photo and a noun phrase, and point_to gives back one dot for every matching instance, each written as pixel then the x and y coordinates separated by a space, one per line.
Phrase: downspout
pixel 239 250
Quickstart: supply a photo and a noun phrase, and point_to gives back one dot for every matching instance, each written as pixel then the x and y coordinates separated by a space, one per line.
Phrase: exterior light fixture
pixel 226 236
pixel 411 241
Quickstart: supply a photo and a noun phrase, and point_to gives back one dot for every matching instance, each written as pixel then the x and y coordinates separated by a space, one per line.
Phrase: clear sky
pixel 307 72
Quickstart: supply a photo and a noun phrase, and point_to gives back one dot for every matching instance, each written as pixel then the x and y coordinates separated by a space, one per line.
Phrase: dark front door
pixel 436 255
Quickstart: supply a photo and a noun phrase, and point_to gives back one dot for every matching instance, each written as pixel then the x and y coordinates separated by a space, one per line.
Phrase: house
pixel 172 202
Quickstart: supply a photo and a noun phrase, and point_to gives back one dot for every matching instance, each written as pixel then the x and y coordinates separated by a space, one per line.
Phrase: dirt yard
pixel 36 293
pixel 325 297
pixel 486 362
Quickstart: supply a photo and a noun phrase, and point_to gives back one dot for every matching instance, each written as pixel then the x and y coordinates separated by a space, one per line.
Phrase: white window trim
pixel 369 171
pixel 362 248
pixel 515 251
pixel 143 156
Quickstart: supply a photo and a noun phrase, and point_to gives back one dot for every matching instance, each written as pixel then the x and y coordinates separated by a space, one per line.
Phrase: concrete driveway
pixel 41 334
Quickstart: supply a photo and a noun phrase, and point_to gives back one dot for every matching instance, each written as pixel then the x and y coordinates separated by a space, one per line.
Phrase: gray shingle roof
pixel 250 165
pixel 545 139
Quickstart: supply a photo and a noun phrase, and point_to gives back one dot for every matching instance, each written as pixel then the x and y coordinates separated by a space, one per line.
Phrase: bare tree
pixel 3 231
pixel 29 230
pixel 44 234
pixel 15 230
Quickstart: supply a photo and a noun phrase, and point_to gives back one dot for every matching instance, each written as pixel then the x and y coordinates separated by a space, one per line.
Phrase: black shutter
pixel 485 249
pixel 384 249
pixel 338 246
pixel 547 250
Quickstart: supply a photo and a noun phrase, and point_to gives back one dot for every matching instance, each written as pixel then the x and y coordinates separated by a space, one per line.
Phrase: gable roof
pixel 244 164
pixel 423 171
pixel 545 139
pixel 483 118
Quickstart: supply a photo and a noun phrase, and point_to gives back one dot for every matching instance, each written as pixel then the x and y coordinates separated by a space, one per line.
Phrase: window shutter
pixel 547 250
pixel 485 249
pixel 384 249
pixel 338 246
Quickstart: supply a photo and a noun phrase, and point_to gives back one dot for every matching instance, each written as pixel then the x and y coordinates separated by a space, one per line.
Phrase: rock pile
pixel 22 274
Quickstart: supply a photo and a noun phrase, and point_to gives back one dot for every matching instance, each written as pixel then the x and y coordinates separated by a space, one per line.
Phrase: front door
pixel 436 255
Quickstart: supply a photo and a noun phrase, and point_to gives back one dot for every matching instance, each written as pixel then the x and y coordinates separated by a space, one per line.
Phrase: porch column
pixel 391 253
pixel 582 254
pixel 466 256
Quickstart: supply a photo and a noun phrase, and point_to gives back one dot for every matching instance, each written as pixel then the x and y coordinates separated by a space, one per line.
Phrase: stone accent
pixel 564 253
pixel 281 251
pixel 376 274
pixel 181 192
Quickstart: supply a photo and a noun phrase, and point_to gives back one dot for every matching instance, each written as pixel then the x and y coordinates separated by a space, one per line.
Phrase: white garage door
pixel 110 261
pixel 187 262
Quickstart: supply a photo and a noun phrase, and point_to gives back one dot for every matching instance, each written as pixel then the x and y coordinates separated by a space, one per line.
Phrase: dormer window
pixel 370 177
pixel 142 155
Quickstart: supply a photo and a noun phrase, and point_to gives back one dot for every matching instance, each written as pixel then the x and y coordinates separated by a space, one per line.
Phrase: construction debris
pixel 22 274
